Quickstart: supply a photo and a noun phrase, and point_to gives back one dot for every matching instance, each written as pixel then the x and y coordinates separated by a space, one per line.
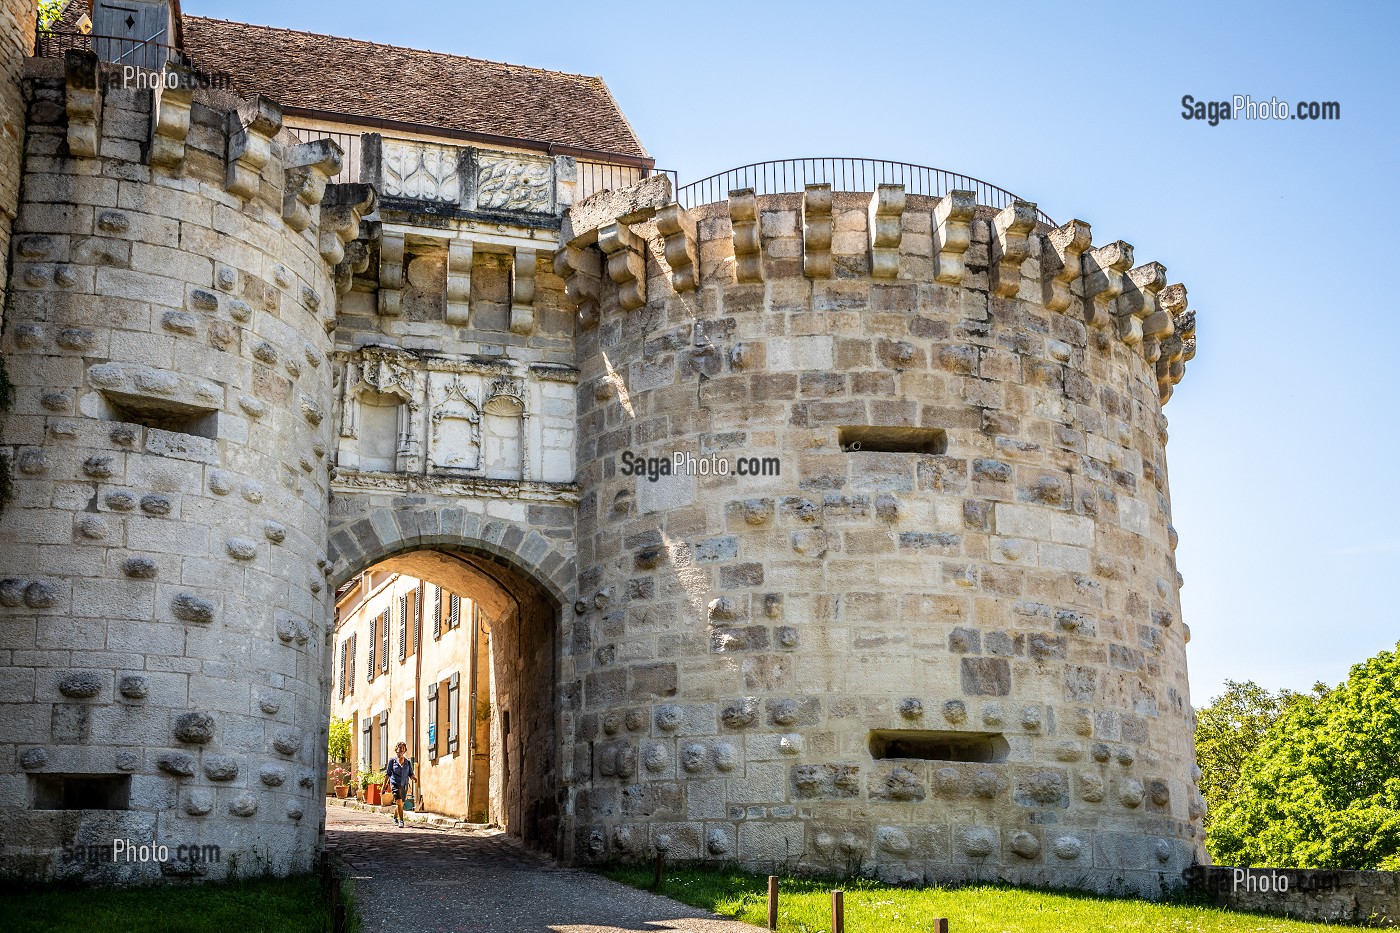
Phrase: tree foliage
pixel 338 746
pixel 49 12
pixel 1322 787
pixel 1228 731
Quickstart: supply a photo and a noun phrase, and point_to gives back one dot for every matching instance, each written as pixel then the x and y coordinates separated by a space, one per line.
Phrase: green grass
pixel 805 907
pixel 263 905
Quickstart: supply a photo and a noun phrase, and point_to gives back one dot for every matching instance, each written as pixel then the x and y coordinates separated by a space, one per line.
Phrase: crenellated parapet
pixel 1008 254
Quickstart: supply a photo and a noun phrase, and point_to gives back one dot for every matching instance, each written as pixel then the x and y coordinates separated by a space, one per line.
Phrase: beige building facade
pixel 412 664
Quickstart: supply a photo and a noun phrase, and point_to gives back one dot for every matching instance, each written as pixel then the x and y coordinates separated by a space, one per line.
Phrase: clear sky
pixel 1284 442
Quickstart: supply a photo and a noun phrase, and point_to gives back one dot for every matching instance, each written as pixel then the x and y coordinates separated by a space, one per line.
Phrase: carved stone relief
pixel 421 171
pixel 514 185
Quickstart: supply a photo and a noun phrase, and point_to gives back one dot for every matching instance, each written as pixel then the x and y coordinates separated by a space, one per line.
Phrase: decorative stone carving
pixel 459 282
pixel 747 235
pixel 514 185
pixel 341 210
pixel 816 232
pixel 581 268
pixel 310 166
pixel 250 148
pixel 952 234
pixel 885 222
pixel 421 171
pixel 391 274
pixel 522 292
pixel 626 259
pixel 1010 229
pixel 455 439
pixel 677 229
pixel 170 116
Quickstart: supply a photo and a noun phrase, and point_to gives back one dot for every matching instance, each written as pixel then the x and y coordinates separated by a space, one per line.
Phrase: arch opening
pixel 454 653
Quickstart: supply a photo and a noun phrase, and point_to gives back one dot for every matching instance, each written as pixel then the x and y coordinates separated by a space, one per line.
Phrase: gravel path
pixel 424 879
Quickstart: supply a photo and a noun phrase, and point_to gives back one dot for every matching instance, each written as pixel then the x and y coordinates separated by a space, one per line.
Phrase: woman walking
pixel 397 775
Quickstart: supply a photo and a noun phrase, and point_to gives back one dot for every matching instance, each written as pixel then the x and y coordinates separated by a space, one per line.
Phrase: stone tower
pixel 164 570
pixel 928 623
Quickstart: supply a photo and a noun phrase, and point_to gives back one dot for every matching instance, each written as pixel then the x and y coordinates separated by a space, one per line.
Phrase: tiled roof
pixel 377 82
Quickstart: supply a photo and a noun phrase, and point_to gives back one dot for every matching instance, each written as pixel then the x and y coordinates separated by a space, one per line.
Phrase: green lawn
pixel 264 905
pixel 805 907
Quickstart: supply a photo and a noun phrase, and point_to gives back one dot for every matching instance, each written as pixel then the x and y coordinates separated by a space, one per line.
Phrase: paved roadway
pixel 426 879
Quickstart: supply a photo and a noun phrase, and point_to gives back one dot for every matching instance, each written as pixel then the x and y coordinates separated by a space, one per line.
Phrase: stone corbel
pixel 1011 229
pixel 626 257
pixel 310 166
pixel 1158 326
pixel 952 234
pixel 886 225
pixel 1139 302
pixel 82 80
pixel 816 232
pixel 354 262
pixel 391 274
pixel 522 292
pixel 1103 280
pixel 459 282
pixel 1060 266
pixel 1170 361
pixel 250 148
pixel 581 269
pixel 170 116
pixel 747 235
pixel 341 210
pixel 677 229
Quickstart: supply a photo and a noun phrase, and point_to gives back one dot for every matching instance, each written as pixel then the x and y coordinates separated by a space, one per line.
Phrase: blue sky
pixel 1284 433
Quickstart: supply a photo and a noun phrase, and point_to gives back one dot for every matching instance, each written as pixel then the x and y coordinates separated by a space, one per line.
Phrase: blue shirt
pixel 399 774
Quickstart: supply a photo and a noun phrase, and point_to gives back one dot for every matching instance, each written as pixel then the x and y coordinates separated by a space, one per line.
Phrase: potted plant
pixel 373 782
pixel 339 778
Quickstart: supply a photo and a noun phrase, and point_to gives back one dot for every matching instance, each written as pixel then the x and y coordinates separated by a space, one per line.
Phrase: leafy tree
pixel 49 12
pixel 1228 730
pixel 1322 789
pixel 338 747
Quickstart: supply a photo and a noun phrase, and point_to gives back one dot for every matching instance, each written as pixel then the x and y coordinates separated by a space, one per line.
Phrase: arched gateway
pixel 926 621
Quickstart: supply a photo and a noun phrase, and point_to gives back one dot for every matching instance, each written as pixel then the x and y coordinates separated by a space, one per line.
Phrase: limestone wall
pixel 17 18
pixel 746 646
pixel 164 599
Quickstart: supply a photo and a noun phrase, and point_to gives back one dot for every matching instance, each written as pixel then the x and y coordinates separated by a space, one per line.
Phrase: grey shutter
pixel 351 667
pixel 432 722
pixel 418 617
pixel 365 742
pixel 437 612
pixel 454 611
pixel 454 694
pixel 384 642
pixel 343 646
pixel 373 640
pixel 384 736
pixel 403 626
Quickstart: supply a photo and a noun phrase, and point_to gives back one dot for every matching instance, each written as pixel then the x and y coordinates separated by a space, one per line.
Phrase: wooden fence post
pixel 772 902
pixel 838 912
pixel 660 871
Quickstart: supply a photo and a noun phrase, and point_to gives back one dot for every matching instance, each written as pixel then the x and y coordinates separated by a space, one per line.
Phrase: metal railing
pixel 349 143
pixel 121 50
pixel 843 174
pixel 603 176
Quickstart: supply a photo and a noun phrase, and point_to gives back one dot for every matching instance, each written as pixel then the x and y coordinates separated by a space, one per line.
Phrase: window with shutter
pixel 454 694
pixel 366 740
pixel 437 612
pixel 418 617
pixel 343 646
pixel 384 641
pixel 454 611
pixel 384 736
pixel 403 627
pixel 373 640
pixel 350 668
pixel 432 722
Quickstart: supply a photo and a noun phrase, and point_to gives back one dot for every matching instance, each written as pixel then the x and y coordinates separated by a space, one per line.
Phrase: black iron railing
pixel 121 50
pixel 602 176
pixel 843 174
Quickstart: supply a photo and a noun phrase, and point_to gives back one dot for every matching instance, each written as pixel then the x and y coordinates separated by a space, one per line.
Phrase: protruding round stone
pixel 134 686
pixel 669 717
pixel 220 767
pixel 287 741
pixel 199 802
pixel 194 728
pixel 272 775
pixel 80 685
pixel 911 707
pixel 40 594
pixel 1067 848
pixel 191 608
pixel 893 840
pixel 32 759
pixel 244 804
pixel 176 763
pixel 241 549
pixel 978 842
pixel 140 568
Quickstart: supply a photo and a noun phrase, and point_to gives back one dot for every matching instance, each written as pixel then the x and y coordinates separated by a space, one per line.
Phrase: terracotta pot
pixel 372 795
pixel 342 791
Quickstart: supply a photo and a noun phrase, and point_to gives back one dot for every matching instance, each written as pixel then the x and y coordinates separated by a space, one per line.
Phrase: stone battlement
pixel 886 236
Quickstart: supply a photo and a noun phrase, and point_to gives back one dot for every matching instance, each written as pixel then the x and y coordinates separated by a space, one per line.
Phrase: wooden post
pixel 838 912
pixel 940 926
pixel 772 902
pixel 660 871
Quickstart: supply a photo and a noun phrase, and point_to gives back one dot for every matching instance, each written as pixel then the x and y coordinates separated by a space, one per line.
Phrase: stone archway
pixel 523 583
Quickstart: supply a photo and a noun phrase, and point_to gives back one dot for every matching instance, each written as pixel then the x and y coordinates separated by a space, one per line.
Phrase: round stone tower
pixel 875 548
pixel 162 590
